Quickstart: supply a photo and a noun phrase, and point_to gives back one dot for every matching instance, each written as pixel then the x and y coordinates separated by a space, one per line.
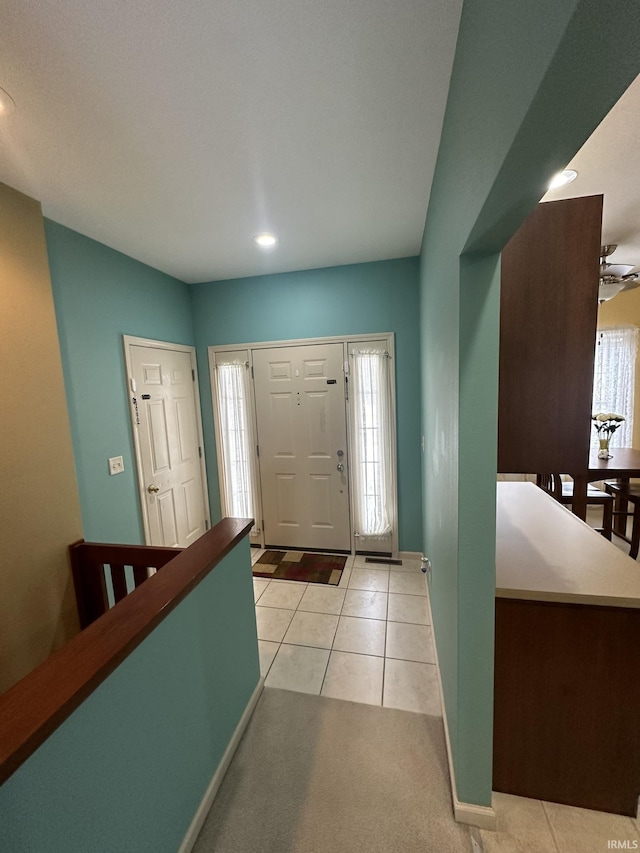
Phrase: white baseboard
pixel 483 817
pixel 213 787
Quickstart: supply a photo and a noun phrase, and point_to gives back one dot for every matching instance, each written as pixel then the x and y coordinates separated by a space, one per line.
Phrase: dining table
pixel 622 464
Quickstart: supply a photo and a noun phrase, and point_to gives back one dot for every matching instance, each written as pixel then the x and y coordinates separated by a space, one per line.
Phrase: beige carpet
pixel 318 775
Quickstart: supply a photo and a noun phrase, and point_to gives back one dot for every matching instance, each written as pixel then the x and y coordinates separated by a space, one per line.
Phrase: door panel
pixel 286 503
pixel 301 418
pixel 168 445
pixel 164 513
pixel 192 504
pixel 156 423
pixel 318 438
pixel 320 501
pixel 185 424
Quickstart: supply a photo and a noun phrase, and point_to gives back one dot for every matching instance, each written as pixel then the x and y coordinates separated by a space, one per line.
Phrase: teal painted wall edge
pixel 346 300
pixel 129 768
pixel 99 295
pixel 530 82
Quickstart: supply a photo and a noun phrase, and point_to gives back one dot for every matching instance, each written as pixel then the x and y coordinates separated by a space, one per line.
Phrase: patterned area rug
pixel 300 566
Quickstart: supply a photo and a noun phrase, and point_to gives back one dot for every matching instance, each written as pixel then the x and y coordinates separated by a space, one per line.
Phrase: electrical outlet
pixel 116 465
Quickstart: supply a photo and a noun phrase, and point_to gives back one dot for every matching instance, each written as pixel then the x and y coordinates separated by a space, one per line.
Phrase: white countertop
pixel 545 553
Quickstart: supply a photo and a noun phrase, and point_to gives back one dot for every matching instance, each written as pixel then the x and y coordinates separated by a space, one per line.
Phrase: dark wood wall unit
pixel 567 704
pixel 548 315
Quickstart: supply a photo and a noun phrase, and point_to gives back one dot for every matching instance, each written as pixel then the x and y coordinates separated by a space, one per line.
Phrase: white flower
pixel 607 423
pixel 602 417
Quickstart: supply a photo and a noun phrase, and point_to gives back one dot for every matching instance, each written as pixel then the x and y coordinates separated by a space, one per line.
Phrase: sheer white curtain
pixel 236 450
pixel 614 380
pixel 370 388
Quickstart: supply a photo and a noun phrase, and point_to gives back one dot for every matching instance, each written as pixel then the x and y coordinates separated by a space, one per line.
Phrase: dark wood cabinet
pixel 567 658
pixel 548 315
pixel 567 699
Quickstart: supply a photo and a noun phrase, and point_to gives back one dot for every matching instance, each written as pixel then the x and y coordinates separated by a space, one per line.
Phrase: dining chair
pixel 625 494
pixel 562 491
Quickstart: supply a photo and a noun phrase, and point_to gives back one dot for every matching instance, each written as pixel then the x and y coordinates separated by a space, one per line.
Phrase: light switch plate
pixel 116 465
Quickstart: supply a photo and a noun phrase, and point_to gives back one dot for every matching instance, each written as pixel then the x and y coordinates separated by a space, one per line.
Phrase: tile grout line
pixel 550 825
pixel 324 674
pixel 384 657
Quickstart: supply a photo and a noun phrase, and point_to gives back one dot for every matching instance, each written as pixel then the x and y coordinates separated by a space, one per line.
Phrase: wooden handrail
pixel 34 707
pixel 89 560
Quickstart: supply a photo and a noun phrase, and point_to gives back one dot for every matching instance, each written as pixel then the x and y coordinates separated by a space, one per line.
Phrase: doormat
pixel 300 566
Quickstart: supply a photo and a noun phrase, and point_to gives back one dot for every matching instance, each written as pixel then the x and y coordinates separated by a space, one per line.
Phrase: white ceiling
pixel 609 163
pixel 176 131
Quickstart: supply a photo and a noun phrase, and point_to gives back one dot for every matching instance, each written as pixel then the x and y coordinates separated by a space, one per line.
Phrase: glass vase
pixel 603 451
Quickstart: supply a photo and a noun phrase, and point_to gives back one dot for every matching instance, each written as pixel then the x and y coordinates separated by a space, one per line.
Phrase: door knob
pixel 153 489
pixel 340 466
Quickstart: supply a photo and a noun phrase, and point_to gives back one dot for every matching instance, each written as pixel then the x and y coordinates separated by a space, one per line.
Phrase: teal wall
pixel 530 82
pixel 346 300
pixel 99 295
pixel 128 769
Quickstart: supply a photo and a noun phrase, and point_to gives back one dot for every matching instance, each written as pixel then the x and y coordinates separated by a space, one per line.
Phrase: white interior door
pixel 166 414
pixel 302 438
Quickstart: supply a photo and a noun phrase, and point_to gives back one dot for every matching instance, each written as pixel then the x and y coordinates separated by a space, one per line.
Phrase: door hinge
pixel 206 524
pixel 200 452
pixel 257 450
pixel 263 523
pixel 193 375
pixel 252 373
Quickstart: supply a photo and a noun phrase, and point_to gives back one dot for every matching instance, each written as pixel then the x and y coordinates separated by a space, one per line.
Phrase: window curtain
pixel 614 381
pixel 370 388
pixel 233 408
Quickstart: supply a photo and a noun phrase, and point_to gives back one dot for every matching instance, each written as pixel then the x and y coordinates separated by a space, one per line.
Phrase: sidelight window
pixel 232 390
pixel 372 449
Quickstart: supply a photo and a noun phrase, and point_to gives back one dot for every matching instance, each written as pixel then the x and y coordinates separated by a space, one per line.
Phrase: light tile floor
pixel 367 640
pixel 538 827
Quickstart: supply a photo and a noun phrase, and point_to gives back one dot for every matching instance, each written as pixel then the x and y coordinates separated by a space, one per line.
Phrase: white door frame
pixel 129 341
pixel 345 340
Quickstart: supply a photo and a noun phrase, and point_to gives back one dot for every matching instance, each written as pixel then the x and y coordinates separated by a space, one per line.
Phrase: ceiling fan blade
pixel 608 288
pixel 630 283
pixel 617 269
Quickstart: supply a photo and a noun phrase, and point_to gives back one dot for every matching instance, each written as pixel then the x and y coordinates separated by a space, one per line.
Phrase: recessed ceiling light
pixel 265 241
pixel 7 104
pixel 563 178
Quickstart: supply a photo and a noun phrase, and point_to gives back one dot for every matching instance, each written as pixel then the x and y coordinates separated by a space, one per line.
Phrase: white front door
pixel 165 412
pixel 302 439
